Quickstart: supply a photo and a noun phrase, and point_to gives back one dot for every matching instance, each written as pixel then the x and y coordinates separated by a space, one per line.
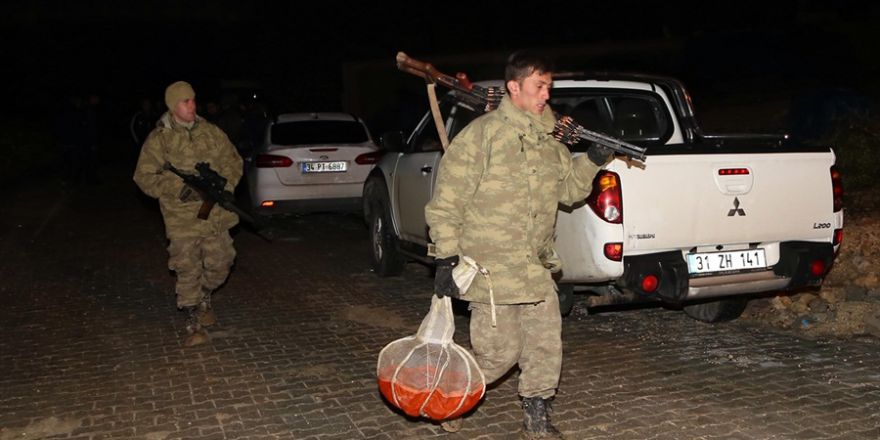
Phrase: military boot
pixel 205 312
pixel 536 420
pixel 195 334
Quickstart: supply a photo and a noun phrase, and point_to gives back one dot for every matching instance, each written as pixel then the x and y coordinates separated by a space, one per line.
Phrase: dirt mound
pixel 848 304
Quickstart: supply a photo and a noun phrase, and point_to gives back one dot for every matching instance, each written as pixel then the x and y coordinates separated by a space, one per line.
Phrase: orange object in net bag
pixel 428 374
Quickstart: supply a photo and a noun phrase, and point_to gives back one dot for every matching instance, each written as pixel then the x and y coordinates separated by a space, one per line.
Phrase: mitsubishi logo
pixel 736 209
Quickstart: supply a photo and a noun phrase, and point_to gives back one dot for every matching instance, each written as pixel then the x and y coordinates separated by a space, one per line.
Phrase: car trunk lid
pixel 322 164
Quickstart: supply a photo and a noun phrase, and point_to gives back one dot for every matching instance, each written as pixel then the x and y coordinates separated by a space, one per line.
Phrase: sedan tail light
pixel 606 200
pixel 273 161
pixel 369 158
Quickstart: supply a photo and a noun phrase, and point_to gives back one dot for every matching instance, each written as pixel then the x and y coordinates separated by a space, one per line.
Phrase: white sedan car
pixel 311 162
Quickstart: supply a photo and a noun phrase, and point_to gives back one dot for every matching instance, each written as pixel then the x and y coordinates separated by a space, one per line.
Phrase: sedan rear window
pixel 318 132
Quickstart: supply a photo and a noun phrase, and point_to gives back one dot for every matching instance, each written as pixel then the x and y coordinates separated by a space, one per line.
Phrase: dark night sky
pixel 298 49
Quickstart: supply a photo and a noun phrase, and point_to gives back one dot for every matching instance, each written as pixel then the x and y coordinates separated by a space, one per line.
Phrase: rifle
pixel 566 129
pixel 211 186
pixel 570 132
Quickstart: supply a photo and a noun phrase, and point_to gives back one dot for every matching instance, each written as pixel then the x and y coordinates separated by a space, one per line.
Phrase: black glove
pixel 598 154
pixel 444 285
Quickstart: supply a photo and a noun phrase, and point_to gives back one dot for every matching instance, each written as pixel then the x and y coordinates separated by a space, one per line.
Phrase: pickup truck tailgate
pixel 689 200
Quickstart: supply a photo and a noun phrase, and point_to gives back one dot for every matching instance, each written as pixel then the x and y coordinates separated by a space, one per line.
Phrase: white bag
pixel 428 374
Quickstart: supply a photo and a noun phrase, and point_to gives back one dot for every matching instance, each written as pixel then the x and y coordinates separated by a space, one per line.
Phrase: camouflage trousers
pixel 200 262
pixel 527 334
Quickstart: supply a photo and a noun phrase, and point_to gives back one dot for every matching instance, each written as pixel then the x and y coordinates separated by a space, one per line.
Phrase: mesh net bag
pixel 428 374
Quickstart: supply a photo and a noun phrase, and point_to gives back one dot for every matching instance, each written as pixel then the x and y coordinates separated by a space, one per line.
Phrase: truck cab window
pixel 426 138
pixel 461 116
pixel 635 118
pixel 589 115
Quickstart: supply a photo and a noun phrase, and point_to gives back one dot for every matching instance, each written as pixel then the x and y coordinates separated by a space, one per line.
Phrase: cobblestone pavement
pixel 91 346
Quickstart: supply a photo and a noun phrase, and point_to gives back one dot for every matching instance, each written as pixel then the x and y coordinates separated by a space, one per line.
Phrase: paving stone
pixel 301 325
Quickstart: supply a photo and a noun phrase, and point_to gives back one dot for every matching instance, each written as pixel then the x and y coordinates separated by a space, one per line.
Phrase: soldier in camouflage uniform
pixel 496 197
pixel 201 251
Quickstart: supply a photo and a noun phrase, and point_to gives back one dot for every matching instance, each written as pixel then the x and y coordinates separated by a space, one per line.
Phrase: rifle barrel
pixel 243 215
pixel 617 145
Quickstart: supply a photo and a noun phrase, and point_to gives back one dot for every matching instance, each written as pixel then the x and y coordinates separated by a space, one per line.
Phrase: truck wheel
pixel 566 298
pixel 717 311
pixel 386 259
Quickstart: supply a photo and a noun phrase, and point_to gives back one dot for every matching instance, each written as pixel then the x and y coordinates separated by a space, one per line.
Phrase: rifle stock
pixel 487 98
pixel 426 71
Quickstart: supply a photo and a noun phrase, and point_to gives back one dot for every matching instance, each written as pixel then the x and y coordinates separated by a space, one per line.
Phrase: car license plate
pixel 325 167
pixel 726 261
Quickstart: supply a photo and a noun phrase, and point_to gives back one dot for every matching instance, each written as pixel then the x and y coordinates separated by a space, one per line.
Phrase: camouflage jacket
pixel 183 147
pixel 498 188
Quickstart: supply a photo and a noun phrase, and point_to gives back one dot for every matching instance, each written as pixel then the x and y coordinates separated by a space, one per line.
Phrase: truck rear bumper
pixel 801 264
pixel 753 282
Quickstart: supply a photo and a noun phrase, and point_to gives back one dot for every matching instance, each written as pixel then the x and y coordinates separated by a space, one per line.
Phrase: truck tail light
pixel 273 161
pixel 614 251
pixel 369 158
pixel 606 200
pixel 838 237
pixel 836 189
pixel 817 267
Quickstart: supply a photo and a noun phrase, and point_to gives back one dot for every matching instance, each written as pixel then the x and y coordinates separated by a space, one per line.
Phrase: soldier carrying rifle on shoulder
pixel 498 187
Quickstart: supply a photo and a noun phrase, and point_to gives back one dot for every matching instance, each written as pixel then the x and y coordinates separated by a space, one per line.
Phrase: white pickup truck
pixel 703 223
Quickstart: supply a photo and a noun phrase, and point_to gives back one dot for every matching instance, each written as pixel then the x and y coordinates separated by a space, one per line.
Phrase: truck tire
pixel 566 298
pixel 717 311
pixel 385 258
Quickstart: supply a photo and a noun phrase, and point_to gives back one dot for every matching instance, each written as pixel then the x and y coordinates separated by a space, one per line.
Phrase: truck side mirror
pixel 392 141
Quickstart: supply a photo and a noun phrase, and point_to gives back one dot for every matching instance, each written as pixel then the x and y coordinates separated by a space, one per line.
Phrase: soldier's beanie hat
pixel 177 92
